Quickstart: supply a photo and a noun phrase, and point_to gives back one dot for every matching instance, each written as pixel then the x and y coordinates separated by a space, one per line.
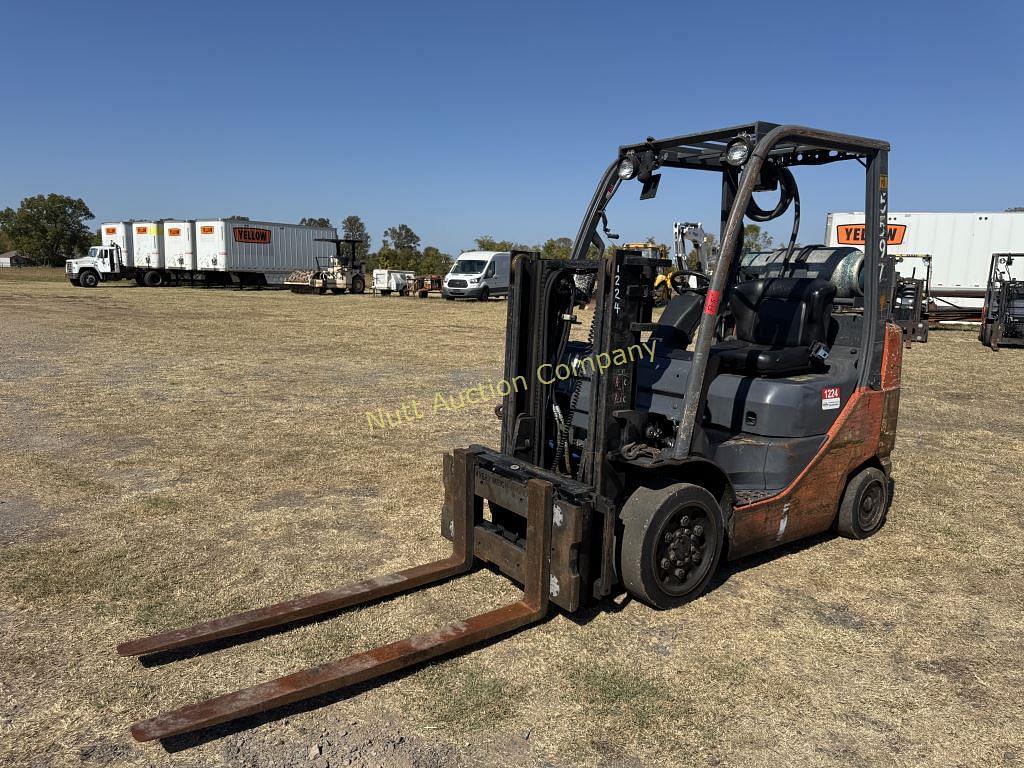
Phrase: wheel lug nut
pixel 666 564
pixel 684 521
pixel 680 573
pixel 695 557
pixel 698 530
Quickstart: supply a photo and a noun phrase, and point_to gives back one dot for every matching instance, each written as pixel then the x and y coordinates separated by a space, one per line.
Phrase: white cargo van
pixel 477 275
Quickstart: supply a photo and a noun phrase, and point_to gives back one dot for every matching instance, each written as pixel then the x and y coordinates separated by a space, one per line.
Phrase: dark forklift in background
pixel 1002 319
pixel 760 409
pixel 912 298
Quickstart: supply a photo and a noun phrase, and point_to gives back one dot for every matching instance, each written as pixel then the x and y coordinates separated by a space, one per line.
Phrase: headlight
pixel 737 151
pixel 628 167
pixel 474 280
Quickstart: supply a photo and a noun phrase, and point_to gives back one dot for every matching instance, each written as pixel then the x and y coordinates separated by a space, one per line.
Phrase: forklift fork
pixel 381 661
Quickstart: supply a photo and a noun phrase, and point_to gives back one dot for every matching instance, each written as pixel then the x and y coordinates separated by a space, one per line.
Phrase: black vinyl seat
pixel 679 321
pixel 779 321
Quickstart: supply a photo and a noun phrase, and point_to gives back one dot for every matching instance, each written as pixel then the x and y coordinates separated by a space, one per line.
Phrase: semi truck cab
pixel 102 262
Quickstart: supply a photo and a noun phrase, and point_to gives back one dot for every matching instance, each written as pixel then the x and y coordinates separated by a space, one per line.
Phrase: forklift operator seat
pixel 778 323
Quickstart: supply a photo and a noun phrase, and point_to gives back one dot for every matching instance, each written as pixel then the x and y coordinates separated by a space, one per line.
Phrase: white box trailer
pixel 243 248
pixel 388 281
pixel 118 234
pixel 180 245
pixel 147 245
pixel 960 244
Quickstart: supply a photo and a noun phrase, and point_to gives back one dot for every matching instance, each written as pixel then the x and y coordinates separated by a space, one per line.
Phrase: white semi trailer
pixel 960 244
pixel 180 245
pixel 222 251
pixel 260 250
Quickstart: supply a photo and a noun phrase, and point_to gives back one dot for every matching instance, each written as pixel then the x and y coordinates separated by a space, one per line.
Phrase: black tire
pixel 485 294
pixel 337 291
pixel 423 294
pixel 139 280
pixel 89 279
pixel 358 284
pixel 985 337
pixel 672 542
pixel 75 281
pixel 865 504
pixel 449 298
pixel 153 278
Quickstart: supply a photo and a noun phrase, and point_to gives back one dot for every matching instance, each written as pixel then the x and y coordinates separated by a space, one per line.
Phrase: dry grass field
pixel 170 455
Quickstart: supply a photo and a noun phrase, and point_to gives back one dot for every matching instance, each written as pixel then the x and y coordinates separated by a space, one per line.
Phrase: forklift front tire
pixel 672 542
pixel 865 504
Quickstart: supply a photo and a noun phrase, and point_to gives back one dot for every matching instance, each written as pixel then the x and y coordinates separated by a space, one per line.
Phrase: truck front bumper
pixel 472 292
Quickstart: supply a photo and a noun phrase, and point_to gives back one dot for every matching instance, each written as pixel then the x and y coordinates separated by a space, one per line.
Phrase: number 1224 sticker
pixel 830 399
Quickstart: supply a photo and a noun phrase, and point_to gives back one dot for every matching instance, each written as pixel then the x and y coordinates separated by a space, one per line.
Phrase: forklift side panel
pixel 808 506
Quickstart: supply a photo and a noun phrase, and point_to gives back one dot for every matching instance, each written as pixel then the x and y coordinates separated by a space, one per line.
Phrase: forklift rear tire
pixel 89 279
pixel 865 504
pixel 672 542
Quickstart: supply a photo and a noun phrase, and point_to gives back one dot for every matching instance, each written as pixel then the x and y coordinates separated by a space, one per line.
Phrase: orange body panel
pixel 865 430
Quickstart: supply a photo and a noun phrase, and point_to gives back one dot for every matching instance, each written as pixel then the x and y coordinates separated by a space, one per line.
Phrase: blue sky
pixel 468 118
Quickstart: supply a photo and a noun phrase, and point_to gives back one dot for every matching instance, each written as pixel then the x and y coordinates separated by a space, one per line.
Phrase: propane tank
pixel 843 267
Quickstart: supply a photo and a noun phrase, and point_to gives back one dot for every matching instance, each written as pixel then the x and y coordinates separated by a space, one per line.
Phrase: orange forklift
pixel 757 410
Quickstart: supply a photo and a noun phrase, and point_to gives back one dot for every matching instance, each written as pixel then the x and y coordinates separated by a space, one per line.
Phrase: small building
pixel 12 259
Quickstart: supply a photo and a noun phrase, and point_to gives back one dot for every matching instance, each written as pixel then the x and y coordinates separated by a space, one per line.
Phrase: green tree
pixel 488 243
pixel 401 238
pixel 311 222
pixel 433 262
pixel 353 228
pixel 755 239
pixel 48 228
pixel 400 249
pixel 557 248
pixel 5 242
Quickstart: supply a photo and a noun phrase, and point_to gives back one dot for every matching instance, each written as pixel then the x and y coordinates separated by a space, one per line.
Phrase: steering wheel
pixel 680 281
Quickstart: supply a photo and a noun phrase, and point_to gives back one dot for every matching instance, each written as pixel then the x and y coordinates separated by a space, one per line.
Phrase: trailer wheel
pixel 865 504
pixel 89 279
pixel 153 279
pixel 672 542
pixel 358 285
